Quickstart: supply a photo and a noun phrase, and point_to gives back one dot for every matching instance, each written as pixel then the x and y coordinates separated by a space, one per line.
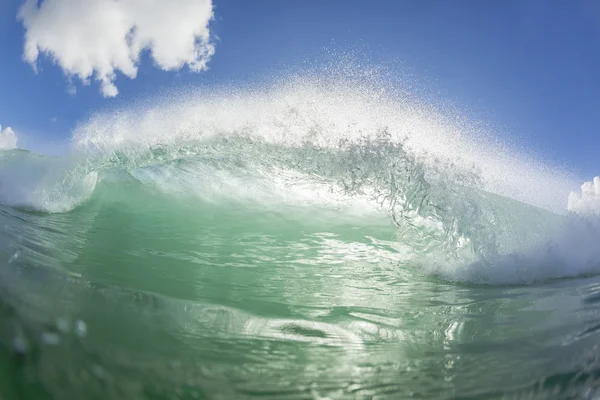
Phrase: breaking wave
pixel 465 206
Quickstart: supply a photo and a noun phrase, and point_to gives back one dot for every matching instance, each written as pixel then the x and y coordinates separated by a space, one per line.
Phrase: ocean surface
pixel 313 239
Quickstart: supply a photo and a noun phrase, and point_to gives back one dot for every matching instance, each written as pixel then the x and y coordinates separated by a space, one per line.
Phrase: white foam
pixel 569 250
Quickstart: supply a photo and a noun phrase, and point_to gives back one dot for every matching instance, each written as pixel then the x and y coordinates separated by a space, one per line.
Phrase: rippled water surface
pixel 123 299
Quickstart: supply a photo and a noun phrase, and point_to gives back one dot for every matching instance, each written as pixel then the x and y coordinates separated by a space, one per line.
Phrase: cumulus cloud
pixel 589 200
pixel 8 139
pixel 95 39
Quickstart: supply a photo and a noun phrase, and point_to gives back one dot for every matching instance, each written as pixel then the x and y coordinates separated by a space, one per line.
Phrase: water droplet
pixel 50 338
pixel 99 371
pixel 80 328
pixel 14 257
pixel 19 345
pixel 62 325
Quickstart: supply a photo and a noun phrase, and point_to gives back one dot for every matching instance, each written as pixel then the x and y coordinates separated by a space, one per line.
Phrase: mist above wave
pixel 324 110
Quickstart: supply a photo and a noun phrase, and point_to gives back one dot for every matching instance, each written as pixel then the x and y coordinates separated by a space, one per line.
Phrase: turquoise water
pixel 288 258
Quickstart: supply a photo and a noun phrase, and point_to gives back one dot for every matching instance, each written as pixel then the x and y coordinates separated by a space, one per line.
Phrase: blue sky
pixel 530 68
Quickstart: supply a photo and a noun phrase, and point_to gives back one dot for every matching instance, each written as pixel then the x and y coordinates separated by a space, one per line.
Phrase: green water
pixel 147 293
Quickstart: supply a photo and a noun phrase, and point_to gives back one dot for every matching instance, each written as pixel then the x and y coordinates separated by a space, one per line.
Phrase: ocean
pixel 317 238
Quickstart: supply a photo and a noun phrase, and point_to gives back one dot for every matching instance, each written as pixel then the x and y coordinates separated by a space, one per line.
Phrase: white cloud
pixel 8 139
pixel 589 200
pixel 97 38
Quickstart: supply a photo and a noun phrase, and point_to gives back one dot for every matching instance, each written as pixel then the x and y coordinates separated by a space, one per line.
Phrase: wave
pixel 48 184
pixel 324 111
pixel 465 207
